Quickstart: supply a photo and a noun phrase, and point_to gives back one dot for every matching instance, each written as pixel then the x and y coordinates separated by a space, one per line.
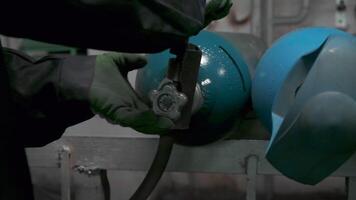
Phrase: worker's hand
pixel 113 98
pixel 217 9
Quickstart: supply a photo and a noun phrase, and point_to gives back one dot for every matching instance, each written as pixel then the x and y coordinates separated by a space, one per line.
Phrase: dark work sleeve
pixel 140 26
pixel 49 94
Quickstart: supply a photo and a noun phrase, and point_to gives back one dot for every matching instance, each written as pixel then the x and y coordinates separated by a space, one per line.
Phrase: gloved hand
pixel 112 97
pixel 216 9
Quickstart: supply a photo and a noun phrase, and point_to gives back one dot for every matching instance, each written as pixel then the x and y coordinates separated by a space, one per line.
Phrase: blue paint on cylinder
pixel 303 92
pixel 223 79
pixel 278 61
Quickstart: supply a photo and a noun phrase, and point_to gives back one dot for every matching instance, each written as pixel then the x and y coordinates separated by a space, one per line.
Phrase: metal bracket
pixel 350 186
pixel 251 171
pixel 64 158
pixel 174 98
pixel 89 171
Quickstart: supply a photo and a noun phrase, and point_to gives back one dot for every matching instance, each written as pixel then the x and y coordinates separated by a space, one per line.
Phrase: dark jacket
pixel 40 99
pixel 45 97
pixel 140 26
pixel 49 94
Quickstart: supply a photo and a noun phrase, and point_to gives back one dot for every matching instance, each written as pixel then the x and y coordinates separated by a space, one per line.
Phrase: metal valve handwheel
pixel 167 100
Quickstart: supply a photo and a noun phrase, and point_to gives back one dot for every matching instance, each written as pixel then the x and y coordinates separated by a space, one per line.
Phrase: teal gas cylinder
pixel 223 85
pixel 279 60
pixel 303 91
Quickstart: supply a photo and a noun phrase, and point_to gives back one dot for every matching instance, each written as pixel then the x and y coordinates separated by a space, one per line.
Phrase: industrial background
pixel 266 19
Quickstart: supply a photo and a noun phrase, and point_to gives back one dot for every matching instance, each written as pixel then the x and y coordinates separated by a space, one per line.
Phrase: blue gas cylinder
pixel 303 92
pixel 222 90
pixel 278 61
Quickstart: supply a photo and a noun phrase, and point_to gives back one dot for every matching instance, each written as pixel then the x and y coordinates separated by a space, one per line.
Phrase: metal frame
pixel 136 154
pixel 64 159
pixel 269 20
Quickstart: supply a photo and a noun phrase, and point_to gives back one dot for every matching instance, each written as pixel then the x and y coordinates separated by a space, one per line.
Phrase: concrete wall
pixel 321 13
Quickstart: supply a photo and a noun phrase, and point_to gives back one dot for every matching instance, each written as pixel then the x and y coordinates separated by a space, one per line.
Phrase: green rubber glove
pixel 217 9
pixel 113 98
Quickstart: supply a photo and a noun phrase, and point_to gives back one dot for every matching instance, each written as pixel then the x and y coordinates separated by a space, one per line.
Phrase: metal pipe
pixel 256 28
pixel 303 12
pixel 65 173
pixel 269 22
pixel 251 171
